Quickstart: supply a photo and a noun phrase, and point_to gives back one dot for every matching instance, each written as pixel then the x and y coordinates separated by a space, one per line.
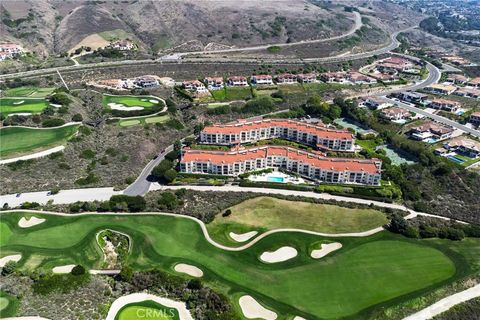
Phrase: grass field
pixel 144 120
pixel 18 141
pixel 266 213
pixel 146 102
pixel 22 105
pixel 366 272
pixel 31 92
pixel 232 93
pixel 147 310
pixel 8 305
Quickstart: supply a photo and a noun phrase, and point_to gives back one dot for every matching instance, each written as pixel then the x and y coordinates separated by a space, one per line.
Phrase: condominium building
pixel 253 131
pixel 311 165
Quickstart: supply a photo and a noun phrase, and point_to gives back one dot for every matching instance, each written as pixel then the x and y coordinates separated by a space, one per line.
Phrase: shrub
pixel 53 122
pixel 9 268
pixel 78 270
pixel 89 179
pixel 134 204
pixel 168 200
pixel 88 154
pixel 77 117
pixel 227 213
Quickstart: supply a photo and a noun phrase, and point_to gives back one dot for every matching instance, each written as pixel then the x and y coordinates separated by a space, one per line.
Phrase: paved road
pixel 445 304
pixel 141 185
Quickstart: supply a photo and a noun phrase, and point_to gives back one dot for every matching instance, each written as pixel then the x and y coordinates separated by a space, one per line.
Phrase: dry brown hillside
pixel 54 26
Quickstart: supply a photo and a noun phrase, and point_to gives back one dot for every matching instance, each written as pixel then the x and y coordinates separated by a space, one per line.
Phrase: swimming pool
pixel 455 159
pixel 275 179
pixel 430 140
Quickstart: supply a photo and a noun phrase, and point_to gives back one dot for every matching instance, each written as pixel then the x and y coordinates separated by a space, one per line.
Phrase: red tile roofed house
pixel 441 88
pixel 194 86
pixel 444 104
pixel 399 61
pixel 253 131
pixel 395 113
pixel 307 77
pixel 330 77
pixel 237 81
pixel 214 83
pixel 431 130
pixel 475 82
pixel 287 78
pixel 468 92
pixel 260 79
pixel 385 77
pixel 358 78
pixel 457 78
pixel 11 48
pixel 475 119
pixel 307 164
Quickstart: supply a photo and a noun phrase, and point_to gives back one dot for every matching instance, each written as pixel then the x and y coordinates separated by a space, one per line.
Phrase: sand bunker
pixel 63 269
pixel 27 223
pixel 299 318
pixel 242 237
pixel 19 102
pixel 117 106
pixel 56 105
pixel 13 257
pixel 279 255
pixel 20 114
pixel 189 269
pixel 153 101
pixel 253 310
pixel 325 249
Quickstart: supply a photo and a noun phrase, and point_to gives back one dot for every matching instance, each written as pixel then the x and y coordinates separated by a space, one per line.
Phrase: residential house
pixel 117 84
pixel 468 93
pixel 10 50
pixel 455 78
pixel 214 83
pixel 334 77
pixel 253 131
pixel 439 88
pixel 194 86
pixel 262 79
pixel 122 45
pixel 475 82
pixel 287 78
pixel 413 97
pixel 237 81
pixel 395 114
pixel 475 119
pixel 307 77
pixel 375 103
pixel 146 82
pixel 464 146
pixel 385 77
pixel 444 104
pixel 358 78
pixel 431 132
pixel 307 164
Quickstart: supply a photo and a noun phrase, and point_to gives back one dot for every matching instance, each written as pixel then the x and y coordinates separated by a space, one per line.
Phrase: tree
pixel 170 175
pixel 168 200
pixel 316 106
pixel 78 270
pixel 171 105
pixel 9 268
pixel 77 117
pixel 398 224
pixel 60 98
pixel 161 168
pixel 126 273
pixel 227 213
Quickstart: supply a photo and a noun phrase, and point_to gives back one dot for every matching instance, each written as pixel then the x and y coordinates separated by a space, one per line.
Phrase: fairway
pixel 19 141
pixel 147 310
pixel 267 213
pixel 363 273
pixel 144 120
pixel 31 92
pixel 22 105
pixel 232 93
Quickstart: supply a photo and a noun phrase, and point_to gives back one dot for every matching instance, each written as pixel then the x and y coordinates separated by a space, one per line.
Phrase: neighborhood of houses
pixel 10 50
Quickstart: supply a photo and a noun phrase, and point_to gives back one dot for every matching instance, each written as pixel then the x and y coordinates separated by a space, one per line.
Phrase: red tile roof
pixel 320 131
pixel 315 160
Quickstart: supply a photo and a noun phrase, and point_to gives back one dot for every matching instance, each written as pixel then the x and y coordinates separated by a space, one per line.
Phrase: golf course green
pixel 365 273
pixel 20 141
pixel 22 105
pixel 146 102
pixel 147 310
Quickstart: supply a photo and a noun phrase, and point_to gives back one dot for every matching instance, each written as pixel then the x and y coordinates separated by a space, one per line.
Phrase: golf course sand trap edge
pixel 19 102
pixel 188 269
pixel 117 106
pixel 7 259
pixel 27 223
pixel 242 237
pixel 279 255
pixel 63 269
pixel 299 318
pixel 251 309
pixel 118 304
pixel 153 101
pixel 326 248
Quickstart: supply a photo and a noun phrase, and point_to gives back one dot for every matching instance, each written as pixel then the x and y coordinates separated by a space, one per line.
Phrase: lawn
pixel 232 93
pixel 18 141
pixel 146 102
pixel 366 272
pixel 22 105
pixel 147 310
pixel 266 213
pixel 143 120
pixel 8 305
pixel 31 92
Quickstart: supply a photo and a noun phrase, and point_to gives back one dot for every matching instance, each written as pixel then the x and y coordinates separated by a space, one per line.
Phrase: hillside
pixel 54 27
